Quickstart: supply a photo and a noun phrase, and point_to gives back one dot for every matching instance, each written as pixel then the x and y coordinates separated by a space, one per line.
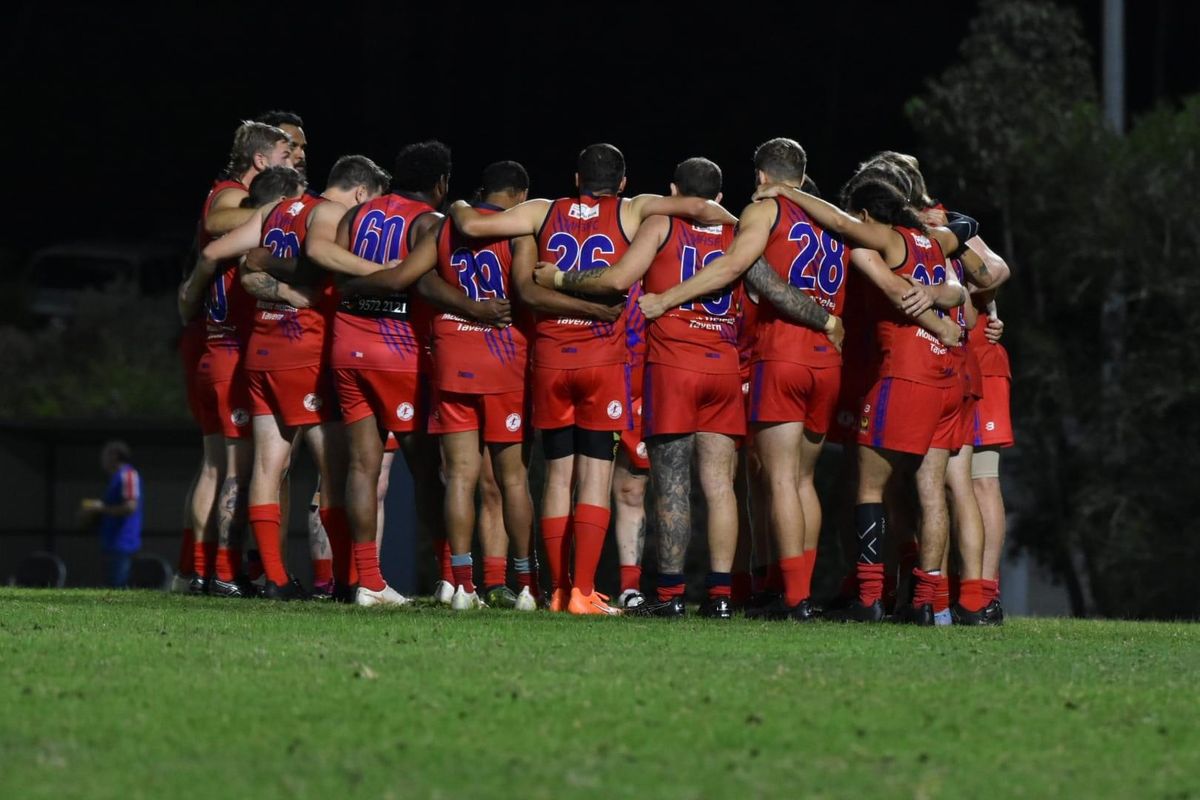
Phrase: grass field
pixel 134 694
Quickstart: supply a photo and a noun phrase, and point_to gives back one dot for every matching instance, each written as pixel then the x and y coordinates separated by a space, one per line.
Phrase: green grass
pixel 144 695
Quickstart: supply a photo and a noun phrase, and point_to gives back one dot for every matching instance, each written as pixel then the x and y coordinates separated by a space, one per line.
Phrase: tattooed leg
pixel 671 475
pixel 232 503
pixel 629 502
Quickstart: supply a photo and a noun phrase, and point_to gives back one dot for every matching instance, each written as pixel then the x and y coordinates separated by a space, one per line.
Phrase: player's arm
pixel 618 277
pixel 985 269
pixel 231 245
pixel 706 212
pixel 945 296
pixel 264 286
pixel 857 232
pixel 226 212
pixel 896 289
pixel 793 303
pixel 496 312
pixel 749 243
pixel 398 278
pixel 327 242
pixel 548 301
pixel 521 220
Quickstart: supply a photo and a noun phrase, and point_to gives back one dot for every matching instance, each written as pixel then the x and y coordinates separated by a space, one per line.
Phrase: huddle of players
pixel 364 316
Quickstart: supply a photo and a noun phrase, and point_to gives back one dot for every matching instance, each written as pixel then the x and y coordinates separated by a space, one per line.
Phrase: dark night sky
pixel 134 111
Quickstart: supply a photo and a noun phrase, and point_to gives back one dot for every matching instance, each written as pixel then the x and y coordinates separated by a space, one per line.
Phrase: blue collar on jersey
pixel 489 206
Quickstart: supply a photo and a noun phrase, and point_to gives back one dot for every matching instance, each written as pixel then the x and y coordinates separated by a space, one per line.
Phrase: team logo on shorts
pixel 312 402
pixel 513 422
pixel 615 409
pixel 641 450
pixel 404 412
pixel 239 417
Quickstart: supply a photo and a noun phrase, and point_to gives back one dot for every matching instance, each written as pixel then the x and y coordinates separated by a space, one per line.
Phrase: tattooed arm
pixel 793 303
pixel 263 286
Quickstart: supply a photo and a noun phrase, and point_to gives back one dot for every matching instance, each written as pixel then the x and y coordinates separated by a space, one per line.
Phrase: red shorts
pixel 781 391
pixel 224 407
pixel 595 398
pixel 910 417
pixel 993 417
pixel 632 440
pixel 297 396
pixel 393 398
pixel 501 417
pixel 686 401
pixel 965 436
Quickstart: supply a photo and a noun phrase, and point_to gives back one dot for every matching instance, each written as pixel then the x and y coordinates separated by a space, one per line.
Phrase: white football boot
pixel 466 601
pixel 387 596
pixel 443 592
pixel 526 601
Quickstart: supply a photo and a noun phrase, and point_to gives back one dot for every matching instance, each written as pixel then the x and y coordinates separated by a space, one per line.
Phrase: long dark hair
pixel 884 203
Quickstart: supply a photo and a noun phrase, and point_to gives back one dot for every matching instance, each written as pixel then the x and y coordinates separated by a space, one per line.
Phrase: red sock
pixel 674 587
pixel 264 521
pixel 526 570
pixel 926 587
pixel 631 577
pixel 366 563
pixel 322 571
pixel 200 559
pixel 228 561
pixel 792 569
pixel 554 534
pixel 591 526
pixel 941 596
pixel 991 590
pixel 774 581
pixel 870 582
pixel 741 588
pixel 337 528
pixel 495 570
pixel 187 552
pixel 970 595
pixel 441 551
pixel 464 576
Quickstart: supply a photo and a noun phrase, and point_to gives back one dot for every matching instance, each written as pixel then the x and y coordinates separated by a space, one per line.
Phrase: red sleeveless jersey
pixel 700 335
pixel 907 350
pixel 815 261
pixel 285 337
pixel 469 357
pixel 581 233
pixel 229 309
pixel 383 333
